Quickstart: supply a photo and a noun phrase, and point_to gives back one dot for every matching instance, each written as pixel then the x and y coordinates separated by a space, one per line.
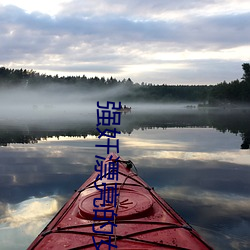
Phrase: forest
pixel 224 93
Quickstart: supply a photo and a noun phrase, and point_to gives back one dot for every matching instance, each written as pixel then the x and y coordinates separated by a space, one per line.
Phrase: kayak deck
pixel 144 220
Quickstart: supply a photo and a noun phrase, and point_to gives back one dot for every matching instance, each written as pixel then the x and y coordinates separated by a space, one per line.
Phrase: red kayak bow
pixel 115 208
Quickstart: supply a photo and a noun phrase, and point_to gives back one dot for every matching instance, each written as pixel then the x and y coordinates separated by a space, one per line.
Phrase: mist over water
pixel 61 107
pixel 55 102
pixel 191 156
pixel 60 102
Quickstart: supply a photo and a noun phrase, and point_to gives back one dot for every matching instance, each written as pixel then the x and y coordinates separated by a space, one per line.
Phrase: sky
pixel 159 41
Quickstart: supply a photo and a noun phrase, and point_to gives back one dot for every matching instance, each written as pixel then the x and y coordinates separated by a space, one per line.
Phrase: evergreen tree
pixel 246 69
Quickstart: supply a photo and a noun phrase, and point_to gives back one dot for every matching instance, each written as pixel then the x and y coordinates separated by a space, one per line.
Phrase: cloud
pixel 142 9
pixel 92 37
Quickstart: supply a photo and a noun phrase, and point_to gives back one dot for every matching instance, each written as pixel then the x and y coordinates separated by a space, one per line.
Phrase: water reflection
pixel 29 210
pixel 233 121
pixel 19 222
pixel 193 161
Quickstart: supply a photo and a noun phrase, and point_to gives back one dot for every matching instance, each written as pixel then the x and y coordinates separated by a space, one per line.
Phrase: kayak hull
pixel 143 219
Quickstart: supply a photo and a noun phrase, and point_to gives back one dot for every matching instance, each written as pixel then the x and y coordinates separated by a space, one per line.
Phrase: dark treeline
pixel 237 91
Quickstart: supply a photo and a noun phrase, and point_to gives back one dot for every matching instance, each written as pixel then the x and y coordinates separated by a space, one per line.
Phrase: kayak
pixel 115 208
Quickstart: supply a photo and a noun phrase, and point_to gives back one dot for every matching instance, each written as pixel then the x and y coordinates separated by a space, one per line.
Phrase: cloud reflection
pixel 185 144
pixel 222 156
pixel 225 216
pixel 29 211
pixel 198 171
pixel 22 222
pixel 228 203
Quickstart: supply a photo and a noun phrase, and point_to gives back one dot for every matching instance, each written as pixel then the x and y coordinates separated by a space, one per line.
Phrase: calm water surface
pixel 193 159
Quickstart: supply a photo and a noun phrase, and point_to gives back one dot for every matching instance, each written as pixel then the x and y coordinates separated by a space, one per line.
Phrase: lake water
pixel 197 160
